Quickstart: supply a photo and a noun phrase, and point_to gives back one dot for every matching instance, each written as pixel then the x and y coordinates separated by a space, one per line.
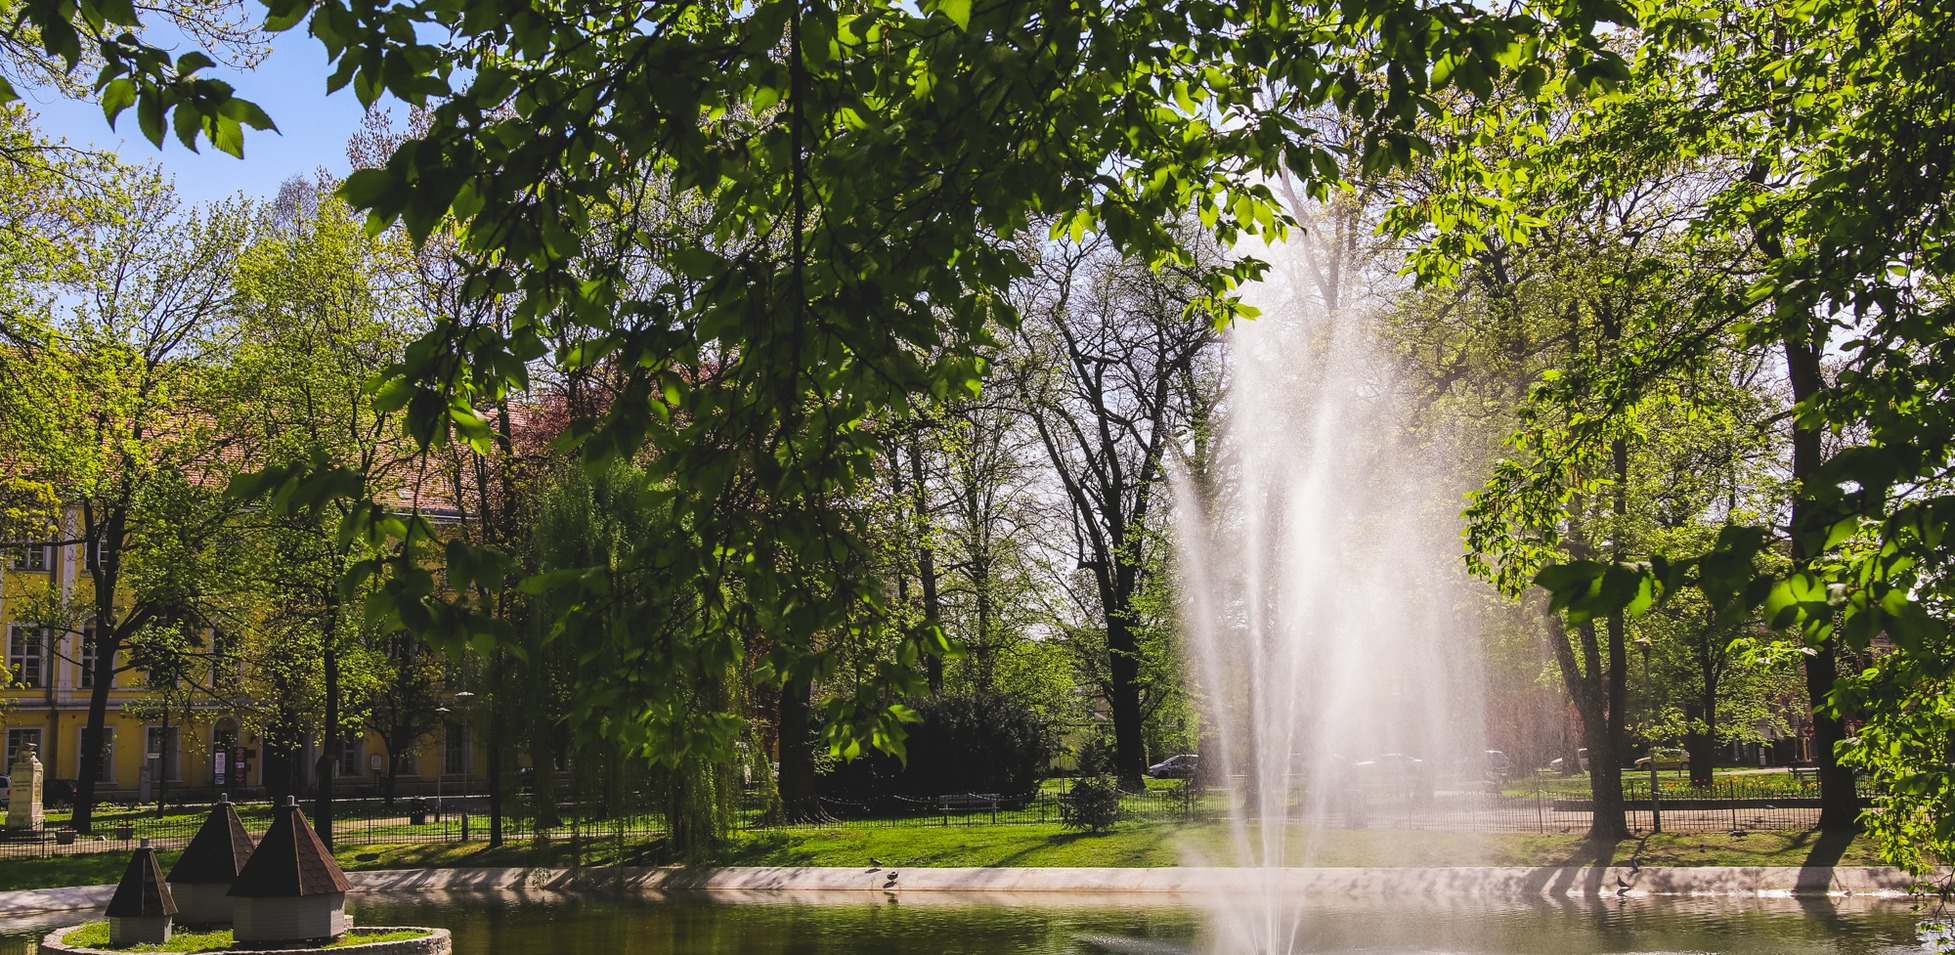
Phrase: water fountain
pixel 1317 563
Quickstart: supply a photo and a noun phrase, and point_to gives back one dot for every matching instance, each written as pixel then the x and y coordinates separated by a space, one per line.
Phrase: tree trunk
pixel 1701 746
pixel 90 770
pixel 1601 730
pixel 926 562
pixel 1129 755
pixel 322 809
pixel 108 641
pixel 495 753
pixel 797 782
pixel 1839 806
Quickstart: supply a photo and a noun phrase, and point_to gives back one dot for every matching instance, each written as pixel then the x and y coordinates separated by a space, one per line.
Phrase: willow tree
pixel 586 524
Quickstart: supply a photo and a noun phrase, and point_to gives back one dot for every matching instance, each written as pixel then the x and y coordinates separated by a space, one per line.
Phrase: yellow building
pixel 45 693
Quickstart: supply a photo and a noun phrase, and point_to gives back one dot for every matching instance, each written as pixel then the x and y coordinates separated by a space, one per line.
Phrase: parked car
pixel 1664 759
pixel 1558 762
pixel 1498 764
pixel 1183 766
pixel 1388 761
pixel 58 793
pixel 6 791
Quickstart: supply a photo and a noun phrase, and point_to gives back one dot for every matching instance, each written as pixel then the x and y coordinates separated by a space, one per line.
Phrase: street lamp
pixel 441 769
pixel 1649 724
pixel 468 745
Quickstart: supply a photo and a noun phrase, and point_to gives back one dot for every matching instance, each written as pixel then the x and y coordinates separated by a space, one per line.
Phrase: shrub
pixel 1096 755
pixel 1093 804
pixel 966 743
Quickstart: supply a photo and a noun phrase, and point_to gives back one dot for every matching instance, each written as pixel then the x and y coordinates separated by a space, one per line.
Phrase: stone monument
pixel 24 808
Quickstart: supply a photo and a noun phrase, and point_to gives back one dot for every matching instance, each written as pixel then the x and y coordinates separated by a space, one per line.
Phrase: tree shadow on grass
pixel 1130 850
pixel 1586 864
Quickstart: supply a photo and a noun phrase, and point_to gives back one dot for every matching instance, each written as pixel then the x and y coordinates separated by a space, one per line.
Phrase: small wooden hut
pixel 290 890
pixel 141 909
pixel 201 880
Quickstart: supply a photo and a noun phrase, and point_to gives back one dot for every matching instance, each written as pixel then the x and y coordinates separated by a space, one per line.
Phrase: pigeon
pixel 1621 883
pixel 875 862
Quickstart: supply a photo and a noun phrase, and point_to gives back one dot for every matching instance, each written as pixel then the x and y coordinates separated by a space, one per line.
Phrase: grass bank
pixel 1049 845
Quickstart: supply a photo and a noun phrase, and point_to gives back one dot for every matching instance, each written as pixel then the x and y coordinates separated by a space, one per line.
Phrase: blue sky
pixel 291 86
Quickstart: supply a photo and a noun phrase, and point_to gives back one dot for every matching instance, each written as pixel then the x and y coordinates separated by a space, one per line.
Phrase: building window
pixel 226 662
pixel 19 738
pixel 85 658
pixel 108 752
pixel 30 557
pixel 27 656
pixel 454 749
pixel 92 553
pixel 349 758
pixel 162 744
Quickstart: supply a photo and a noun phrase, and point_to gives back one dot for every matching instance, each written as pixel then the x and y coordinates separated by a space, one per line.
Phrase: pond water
pixel 591 924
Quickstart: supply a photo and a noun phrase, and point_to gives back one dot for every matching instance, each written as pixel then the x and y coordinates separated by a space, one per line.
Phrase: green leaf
pixel 119 95
pixel 959 12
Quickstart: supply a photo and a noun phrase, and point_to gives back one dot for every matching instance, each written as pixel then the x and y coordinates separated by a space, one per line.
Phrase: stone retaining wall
pixel 1458 881
pixel 437 942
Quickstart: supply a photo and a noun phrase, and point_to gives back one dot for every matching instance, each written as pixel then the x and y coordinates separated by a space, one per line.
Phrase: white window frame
pixel 108 752
pixel 170 761
pixel 454 749
pixel 85 659
pixel 16 738
pixel 91 554
pixel 349 765
pixel 20 638
pixel 31 559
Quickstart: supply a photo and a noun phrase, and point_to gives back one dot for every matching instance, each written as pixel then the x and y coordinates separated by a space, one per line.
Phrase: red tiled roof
pixel 290 862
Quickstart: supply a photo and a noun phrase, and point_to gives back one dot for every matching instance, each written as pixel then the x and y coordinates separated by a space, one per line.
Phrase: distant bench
pixel 968 803
pixel 1806 775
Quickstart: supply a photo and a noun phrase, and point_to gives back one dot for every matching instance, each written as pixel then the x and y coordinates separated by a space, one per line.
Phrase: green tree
pixel 1114 346
pixel 1831 201
pixel 321 309
pixel 121 392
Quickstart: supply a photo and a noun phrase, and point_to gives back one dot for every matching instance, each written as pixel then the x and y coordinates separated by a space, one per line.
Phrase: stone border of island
pixel 284 894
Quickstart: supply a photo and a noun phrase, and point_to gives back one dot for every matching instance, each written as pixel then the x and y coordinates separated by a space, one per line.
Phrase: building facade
pixel 204 745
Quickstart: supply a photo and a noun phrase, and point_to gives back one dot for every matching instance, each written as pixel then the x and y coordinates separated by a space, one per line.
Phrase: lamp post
pixel 443 768
pixel 1649 724
pixel 468 744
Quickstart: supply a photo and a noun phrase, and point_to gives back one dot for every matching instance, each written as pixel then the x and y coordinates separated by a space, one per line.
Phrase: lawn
pixel 1143 845
pixel 96 935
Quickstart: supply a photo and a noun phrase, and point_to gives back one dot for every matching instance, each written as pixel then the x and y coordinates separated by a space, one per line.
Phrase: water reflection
pixel 927 924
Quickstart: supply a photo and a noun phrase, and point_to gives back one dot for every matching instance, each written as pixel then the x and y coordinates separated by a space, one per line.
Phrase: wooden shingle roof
pixel 290 862
pixel 219 851
pixel 142 891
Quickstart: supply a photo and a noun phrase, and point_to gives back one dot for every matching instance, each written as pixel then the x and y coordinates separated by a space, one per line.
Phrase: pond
pixel 595 924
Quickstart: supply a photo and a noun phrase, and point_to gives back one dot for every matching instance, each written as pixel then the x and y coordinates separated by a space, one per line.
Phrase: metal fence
pixel 1766 801
pixel 972 809
pixel 355 822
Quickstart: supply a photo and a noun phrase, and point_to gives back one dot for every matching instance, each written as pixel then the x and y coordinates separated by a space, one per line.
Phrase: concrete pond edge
pixel 437 942
pixel 1467 882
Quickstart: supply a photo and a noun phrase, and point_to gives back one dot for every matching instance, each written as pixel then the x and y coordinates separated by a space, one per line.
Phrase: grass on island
pixel 1128 845
pixel 96 935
